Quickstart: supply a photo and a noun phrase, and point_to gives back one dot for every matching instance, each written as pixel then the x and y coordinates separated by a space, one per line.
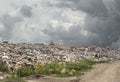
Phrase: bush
pixel 57 68
pixel 25 71
pixel 65 68
pixel 48 69
pixel 3 67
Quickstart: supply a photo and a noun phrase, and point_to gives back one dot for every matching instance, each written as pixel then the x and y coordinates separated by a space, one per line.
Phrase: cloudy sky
pixel 76 22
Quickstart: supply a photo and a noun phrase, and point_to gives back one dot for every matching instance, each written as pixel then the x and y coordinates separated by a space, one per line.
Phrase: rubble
pixel 18 54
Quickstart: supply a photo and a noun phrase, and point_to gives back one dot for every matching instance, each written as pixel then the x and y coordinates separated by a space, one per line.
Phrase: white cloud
pixel 66 21
pixel 43 17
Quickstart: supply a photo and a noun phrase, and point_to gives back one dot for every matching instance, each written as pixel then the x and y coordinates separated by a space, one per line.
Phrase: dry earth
pixel 107 72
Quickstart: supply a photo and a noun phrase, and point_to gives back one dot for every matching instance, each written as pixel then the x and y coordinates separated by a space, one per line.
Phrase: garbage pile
pixel 19 54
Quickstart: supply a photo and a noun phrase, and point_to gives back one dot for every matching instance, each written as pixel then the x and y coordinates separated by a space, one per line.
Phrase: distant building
pixel 5 41
pixel 51 43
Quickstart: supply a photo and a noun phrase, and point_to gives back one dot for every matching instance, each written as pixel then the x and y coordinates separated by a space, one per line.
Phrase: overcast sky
pixel 74 22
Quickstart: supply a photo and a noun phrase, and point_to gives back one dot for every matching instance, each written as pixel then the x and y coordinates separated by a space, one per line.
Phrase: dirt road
pixel 103 73
pixel 100 73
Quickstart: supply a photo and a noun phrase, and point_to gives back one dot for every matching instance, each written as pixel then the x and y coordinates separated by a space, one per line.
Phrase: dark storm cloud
pixel 26 11
pixel 101 22
pixel 92 7
pixel 103 19
pixel 72 36
pixel 106 26
pixel 9 21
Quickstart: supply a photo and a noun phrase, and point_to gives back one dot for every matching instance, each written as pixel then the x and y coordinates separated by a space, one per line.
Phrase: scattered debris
pixel 18 54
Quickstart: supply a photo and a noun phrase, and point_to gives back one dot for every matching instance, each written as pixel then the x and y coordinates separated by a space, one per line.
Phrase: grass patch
pixel 25 71
pixel 62 69
pixel 57 68
pixel 13 79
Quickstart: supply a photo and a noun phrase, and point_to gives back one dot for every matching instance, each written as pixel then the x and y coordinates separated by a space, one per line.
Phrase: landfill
pixel 15 55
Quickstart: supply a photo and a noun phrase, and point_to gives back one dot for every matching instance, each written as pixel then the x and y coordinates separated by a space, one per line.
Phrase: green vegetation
pixel 12 80
pixel 63 69
pixel 57 68
pixel 25 71
pixel 3 67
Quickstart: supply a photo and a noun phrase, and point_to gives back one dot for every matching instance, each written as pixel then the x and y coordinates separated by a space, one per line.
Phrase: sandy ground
pixel 100 73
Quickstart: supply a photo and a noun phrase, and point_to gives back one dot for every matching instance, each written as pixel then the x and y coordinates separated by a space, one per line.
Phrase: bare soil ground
pixel 100 73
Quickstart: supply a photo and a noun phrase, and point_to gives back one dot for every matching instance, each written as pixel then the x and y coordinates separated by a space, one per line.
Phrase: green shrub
pixel 57 68
pixel 25 71
pixel 39 69
pixel 48 69
pixel 65 68
pixel 3 67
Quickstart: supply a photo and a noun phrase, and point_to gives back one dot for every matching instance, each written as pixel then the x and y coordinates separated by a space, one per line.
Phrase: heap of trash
pixel 19 54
